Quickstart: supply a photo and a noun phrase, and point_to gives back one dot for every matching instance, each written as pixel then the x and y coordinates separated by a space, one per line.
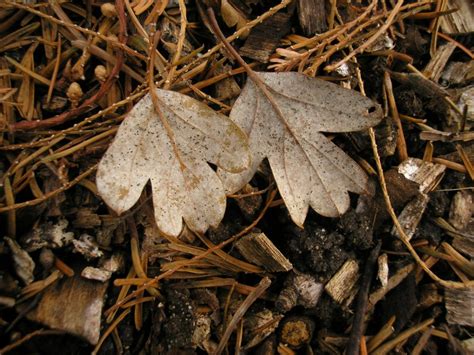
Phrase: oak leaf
pixel 284 114
pixel 171 146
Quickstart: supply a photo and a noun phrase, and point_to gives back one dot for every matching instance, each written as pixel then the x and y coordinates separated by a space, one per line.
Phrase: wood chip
pixel 460 21
pixel 458 73
pixel 341 287
pixel 264 38
pixel 411 215
pixel 22 261
pixel 459 306
pixel 462 208
pixel 256 248
pixel 426 174
pixel 312 16
pixel 438 62
pixel 73 305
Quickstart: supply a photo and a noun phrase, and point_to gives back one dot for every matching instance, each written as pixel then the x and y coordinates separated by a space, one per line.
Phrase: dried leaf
pixel 171 148
pixel 232 16
pixel 285 124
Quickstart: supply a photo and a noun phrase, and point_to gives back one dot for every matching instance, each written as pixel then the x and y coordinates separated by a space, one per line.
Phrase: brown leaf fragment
pixel 74 305
pixel 171 148
pixel 24 264
pixel 232 16
pixel 264 38
pixel 285 124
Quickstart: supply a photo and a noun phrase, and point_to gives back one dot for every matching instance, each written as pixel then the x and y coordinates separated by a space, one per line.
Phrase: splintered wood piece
pixel 22 261
pixel 342 286
pixel 458 73
pixel 462 208
pixel 438 62
pixel 460 21
pixel 94 273
pixel 464 242
pixel 264 38
pixel 459 306
pixel 300 290
pixel 256 248
pixel 425 174
pixel 312 16
pixel 74 305
pixel 411 215
pixel 259 326
pixel 466 104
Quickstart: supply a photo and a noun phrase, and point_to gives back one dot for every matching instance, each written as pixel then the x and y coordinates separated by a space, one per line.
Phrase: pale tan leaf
pixel 184 186
pixel 285 125
pixel 232 16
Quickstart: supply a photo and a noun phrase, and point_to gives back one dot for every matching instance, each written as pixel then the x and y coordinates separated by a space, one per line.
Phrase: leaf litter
pixel 42 169
pixel 284 124
pixel 175 161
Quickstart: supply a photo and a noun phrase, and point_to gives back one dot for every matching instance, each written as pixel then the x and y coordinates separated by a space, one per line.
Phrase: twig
pixel 240 312
pixel 353 345
pixel 109 330
pixel 401 233
pixel 371 40
pixel 49 194
pixel 55 71
pixel 401 143
pixel 385 348
pixel 87 104
pixel 27 337
pixel 196 258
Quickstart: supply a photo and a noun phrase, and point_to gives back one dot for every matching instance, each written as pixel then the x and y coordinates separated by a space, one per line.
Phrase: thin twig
pixel 353 345
pixel 104 88
pixel 240 312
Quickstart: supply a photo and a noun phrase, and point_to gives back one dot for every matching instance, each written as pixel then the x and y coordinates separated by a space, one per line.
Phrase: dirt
pixel 176 296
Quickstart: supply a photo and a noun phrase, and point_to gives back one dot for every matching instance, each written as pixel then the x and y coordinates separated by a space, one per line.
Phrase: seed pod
pixel 100 73
pixel 108 10
pixel 74 93
pixel 297 331
pixel 46 258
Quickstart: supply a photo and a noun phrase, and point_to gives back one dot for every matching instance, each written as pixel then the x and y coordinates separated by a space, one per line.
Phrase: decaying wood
pixel 459 306
pixel 411 215
pixel 426 174
pixel 312 15
pixel 94 273
pixel 460 21
pixel 258 326
pixel 94 75
pixel 256 248
pixel 342 286
pixel 383 269
pixel 73 305
pixel 87 219
pixel 462 209
pixel 435 67
pixel 464 242
pixel 458 73
pixel 22 261
pixel 263 39
pixel 300 290
pixel 466 105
